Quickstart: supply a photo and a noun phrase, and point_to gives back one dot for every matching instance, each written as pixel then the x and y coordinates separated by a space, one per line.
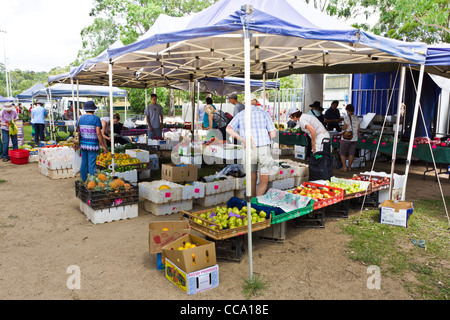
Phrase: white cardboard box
pixel 110 214
pixel 150 191
pixel 300 152
pixel 160 209
pixel 194 282
pixel 141 155
pixel 396 213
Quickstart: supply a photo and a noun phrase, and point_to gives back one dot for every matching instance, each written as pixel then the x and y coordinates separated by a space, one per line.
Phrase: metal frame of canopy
pixel 242 51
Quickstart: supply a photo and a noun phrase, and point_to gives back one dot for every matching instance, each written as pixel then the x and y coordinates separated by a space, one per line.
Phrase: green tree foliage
pixel 416 20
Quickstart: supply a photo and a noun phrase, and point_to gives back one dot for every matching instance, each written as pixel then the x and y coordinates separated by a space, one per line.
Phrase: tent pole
pixel 111 121
pixel 413 130
pixel 125 109
pixel 264 91
pixel 248 144
pixel 399 111
pixel 78 98
pixel 52 124
pixel 75 117
pixel 146 98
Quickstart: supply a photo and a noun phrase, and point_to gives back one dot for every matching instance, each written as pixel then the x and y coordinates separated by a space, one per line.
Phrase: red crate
pixel 19 156
pixel 335 198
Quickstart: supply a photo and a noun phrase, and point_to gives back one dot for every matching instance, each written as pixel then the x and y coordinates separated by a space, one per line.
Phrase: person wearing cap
pixel 238 107
pixel 332 117
pixel 218 118
pixel 316 110
pixel 313 127
pixel 154 117
pixel 89 126
pixel 38 115
pixel 7 116
pixel 262 132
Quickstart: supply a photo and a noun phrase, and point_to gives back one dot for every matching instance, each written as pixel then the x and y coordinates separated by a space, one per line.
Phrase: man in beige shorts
pixel 262 131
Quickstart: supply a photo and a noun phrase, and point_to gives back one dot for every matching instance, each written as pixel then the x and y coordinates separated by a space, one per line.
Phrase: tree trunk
pixel 172 103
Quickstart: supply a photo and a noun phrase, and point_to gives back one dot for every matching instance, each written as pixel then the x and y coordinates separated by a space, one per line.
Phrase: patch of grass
pixel 424 271
pixel 253 287
pixel 3 181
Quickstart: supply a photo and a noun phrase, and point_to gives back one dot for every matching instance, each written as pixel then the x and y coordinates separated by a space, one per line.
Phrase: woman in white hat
pixel 7 116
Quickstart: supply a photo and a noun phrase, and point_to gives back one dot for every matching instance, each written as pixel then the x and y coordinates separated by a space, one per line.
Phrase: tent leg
pixel 413 130
pixel 399 110
pixel 111 111
pixel 248 155
pixel 75 114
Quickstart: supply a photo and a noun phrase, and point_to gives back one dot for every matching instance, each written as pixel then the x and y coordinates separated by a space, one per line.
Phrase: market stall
pixel 223 31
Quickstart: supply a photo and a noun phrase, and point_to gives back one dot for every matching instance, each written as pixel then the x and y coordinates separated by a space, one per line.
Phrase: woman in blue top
pixel 89 126
pixel 209 102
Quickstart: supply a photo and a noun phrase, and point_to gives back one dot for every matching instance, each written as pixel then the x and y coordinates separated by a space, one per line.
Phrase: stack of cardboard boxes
pixel 189 261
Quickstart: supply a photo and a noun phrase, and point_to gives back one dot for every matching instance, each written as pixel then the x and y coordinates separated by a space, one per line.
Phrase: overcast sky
pixel 42 34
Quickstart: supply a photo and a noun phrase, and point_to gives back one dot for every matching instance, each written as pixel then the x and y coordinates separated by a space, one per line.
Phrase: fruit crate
pixel 279 215
pixel 106 199
pixel 336 194
pixel 19 156
pixel 378 182
pixel 232 249
pixel 101 165
pixel 224 233
pixel 315 219
pixel 366 185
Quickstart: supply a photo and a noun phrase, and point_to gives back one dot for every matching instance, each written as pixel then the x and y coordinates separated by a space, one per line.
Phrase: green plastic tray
pixel 278 218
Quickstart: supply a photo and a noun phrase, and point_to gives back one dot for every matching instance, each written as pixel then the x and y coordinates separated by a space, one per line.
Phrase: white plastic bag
pixel 129 124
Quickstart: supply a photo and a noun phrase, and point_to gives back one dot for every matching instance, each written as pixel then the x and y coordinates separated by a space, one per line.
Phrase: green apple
pixel 262 214
pixel 202 215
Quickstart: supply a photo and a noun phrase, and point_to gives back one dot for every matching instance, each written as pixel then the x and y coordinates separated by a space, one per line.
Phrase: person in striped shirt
pixel 262 132
pixel 89 126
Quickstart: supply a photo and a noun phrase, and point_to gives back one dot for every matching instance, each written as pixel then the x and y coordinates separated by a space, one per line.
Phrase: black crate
pixel 315 219
pixel 338 210
pixel 370 201
pixel 98 200
pixel 231 249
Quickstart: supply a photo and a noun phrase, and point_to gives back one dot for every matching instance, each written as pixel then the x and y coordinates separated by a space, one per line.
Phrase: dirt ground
pixel 43 232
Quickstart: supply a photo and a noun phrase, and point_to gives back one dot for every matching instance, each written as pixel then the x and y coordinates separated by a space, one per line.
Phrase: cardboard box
pixel 160 261
pixel 193 259
pixel 396 213
pixel 300 152
pixel 179 173
pixel 157 238
pixel 194 282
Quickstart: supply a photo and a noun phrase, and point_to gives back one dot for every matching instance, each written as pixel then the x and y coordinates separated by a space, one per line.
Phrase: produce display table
pixel 292 139
pixel 441 156
pixel 370 144
pixel 133 132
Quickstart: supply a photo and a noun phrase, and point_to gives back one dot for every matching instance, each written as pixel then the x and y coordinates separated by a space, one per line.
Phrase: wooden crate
pixel 224 233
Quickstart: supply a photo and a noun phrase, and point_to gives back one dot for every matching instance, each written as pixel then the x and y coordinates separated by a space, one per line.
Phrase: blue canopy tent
pixel 28 94
pixel 3 99
pixel 65 90
pixel 250 38
pixel 226 86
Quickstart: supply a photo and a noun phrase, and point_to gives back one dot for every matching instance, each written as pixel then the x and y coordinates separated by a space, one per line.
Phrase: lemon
pixel 187 245
pixel 163 187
